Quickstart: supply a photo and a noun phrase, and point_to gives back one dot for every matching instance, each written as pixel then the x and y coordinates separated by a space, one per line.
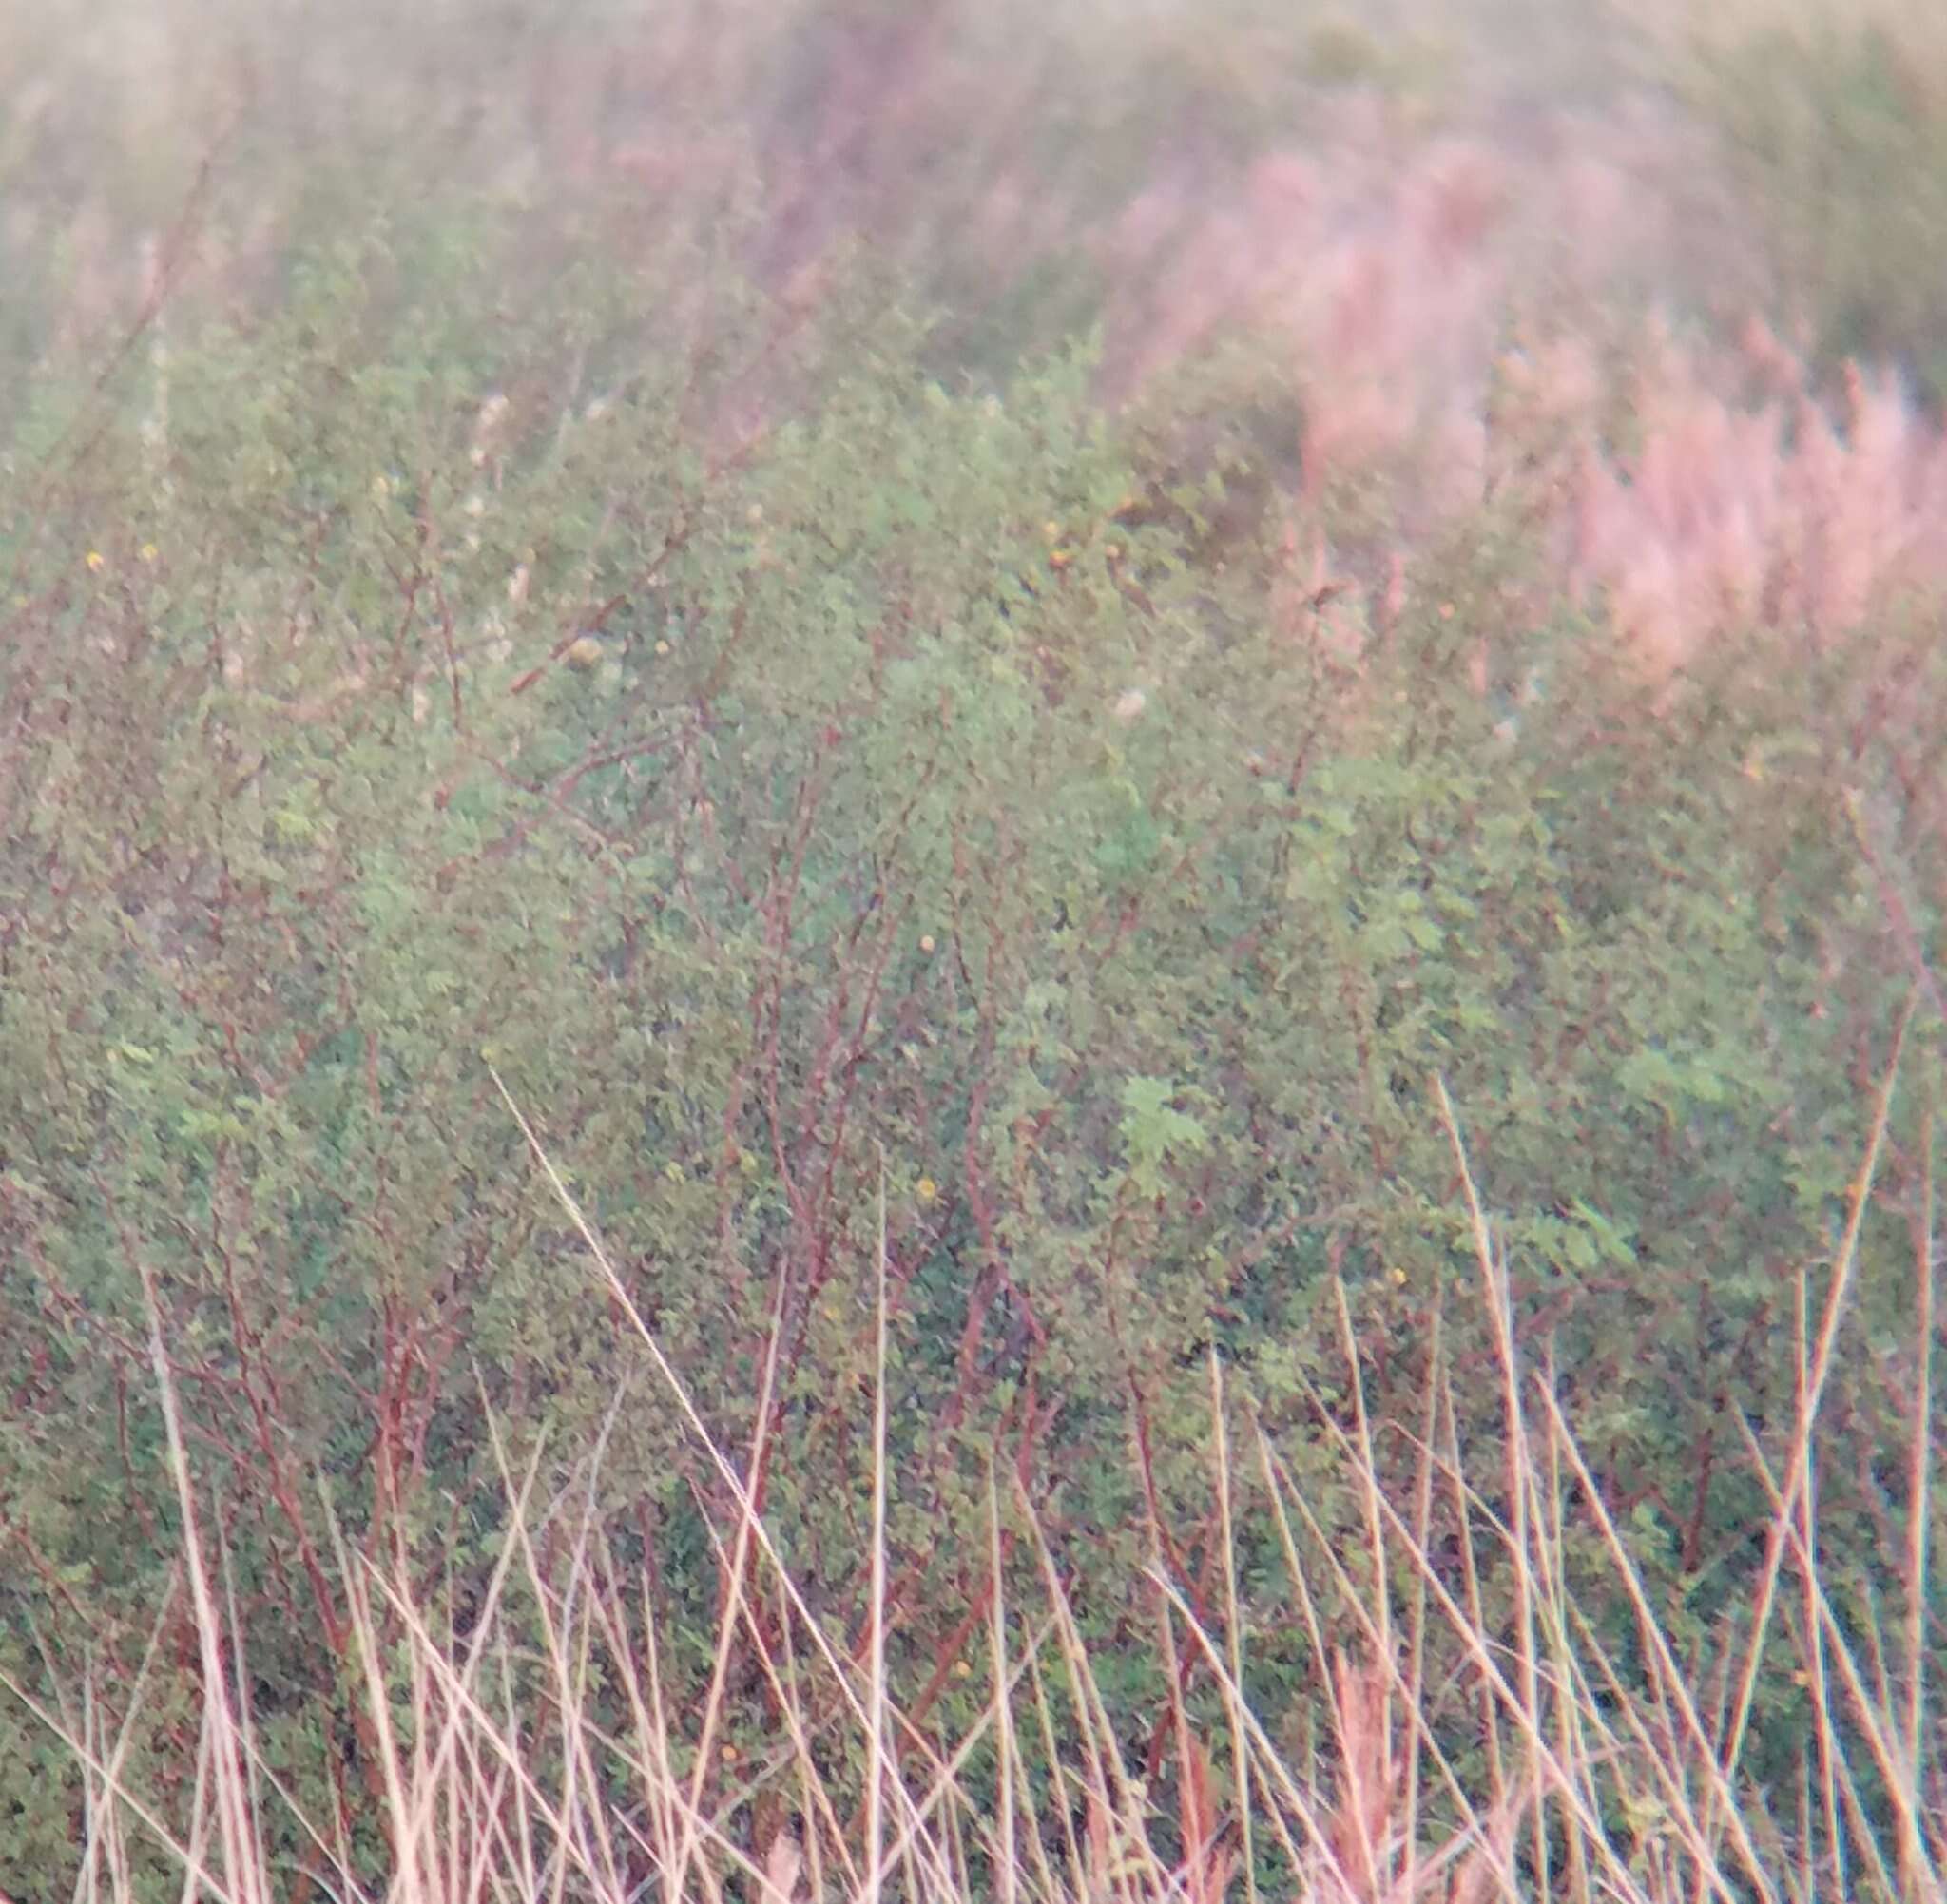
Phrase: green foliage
pixel 873 782
pixel 1841 133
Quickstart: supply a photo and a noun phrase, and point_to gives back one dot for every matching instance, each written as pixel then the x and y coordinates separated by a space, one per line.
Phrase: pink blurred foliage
pixel 1445 310
pixel 1781 514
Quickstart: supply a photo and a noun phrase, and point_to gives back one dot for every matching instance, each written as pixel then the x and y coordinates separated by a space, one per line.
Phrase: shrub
pixel 824 797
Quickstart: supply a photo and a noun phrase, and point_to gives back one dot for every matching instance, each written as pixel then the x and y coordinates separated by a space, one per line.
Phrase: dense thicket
pixel 807 785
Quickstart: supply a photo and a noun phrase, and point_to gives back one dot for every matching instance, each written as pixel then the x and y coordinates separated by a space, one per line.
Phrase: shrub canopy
pixel 827 796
